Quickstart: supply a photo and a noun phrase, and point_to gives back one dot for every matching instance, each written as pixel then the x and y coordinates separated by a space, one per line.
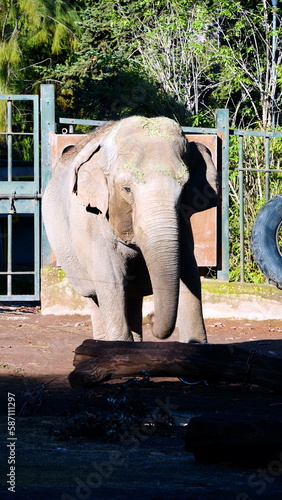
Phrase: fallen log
pixel 99 361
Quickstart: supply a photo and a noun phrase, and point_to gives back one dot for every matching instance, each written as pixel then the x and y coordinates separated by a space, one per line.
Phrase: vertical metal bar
pixel 47 106
pixel 222 124
pixel 273 63
pixel 10 176
pixel 37 221
pixel 36 143
pixel 9 139
pixel 241 206
pixel 9 255
pixel 266 163
pixel 37 226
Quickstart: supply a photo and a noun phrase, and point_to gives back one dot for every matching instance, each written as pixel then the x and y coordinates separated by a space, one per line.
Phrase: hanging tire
pixel 265 246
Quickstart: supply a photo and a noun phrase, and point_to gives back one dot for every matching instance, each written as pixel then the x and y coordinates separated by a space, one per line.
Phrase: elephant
pixel 117 215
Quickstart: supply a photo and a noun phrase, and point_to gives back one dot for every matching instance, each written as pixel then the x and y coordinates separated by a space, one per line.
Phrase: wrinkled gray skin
pixel 116 212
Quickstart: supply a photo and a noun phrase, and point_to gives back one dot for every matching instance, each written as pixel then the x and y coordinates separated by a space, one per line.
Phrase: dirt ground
pixel 57 455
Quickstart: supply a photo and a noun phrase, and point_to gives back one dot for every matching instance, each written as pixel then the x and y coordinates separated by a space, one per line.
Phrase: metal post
pixel 222 124
pixel 36 148
pixel 9 254
pixel 37 264
pixel 47 101
pixel 10 178
pixel 273 63
pixel 241 207
pixel 9 140
pixel 47 108
pixel 267 166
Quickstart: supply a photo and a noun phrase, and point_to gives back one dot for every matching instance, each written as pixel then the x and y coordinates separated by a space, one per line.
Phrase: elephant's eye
pixel 127 189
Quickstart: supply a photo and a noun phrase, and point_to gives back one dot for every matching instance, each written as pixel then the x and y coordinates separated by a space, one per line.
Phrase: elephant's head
pixel 137 172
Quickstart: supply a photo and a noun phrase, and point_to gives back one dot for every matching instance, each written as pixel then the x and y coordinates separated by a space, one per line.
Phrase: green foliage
pixel 33 32
pixel 186 59
pixel 178 58
pixel 102 81
pixel 22 123
pixel 256 185
pixel 29 25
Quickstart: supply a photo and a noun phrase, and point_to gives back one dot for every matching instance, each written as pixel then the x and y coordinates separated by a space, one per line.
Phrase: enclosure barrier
pixel 20 195
pixel 265 170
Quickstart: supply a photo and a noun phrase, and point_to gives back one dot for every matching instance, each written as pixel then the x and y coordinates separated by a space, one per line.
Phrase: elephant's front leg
pixel 190 320
pixel 112 305
pixel 107 274
pixel 96 319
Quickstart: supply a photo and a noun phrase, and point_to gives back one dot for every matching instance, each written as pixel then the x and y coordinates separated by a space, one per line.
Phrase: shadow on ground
pixel 125 438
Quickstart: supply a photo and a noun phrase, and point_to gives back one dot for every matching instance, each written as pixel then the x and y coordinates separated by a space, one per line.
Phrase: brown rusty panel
pixel 61 141
pixel 205 238
pixel 204 224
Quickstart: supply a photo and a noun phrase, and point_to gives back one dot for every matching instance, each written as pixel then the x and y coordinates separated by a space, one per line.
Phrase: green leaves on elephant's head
pixel 159 127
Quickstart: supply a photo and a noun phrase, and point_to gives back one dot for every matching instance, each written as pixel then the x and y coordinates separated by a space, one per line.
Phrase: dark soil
pixel 126 438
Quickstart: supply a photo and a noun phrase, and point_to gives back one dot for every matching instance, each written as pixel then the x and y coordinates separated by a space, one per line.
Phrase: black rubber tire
pixel 264 241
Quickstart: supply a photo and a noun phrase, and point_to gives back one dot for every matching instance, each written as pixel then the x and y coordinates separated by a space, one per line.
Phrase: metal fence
pixel 258 161
pixel 19 200
pixel 234 156
pixel 22 185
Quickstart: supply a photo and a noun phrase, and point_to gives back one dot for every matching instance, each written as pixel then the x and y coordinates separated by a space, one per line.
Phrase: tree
pixel 149 43
pixel 197 56
pixel 102 81
pixel 170 46
pixel 32 32
pixel 204 54
pixel 250 71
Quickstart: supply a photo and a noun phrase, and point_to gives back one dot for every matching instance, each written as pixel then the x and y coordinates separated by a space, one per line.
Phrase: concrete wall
pixel 220 300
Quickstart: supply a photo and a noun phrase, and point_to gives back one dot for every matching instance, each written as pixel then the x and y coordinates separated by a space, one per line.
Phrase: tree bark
pixel 98 361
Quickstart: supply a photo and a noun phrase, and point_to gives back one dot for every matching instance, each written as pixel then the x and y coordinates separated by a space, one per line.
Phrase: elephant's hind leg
pixel 190 320
pixel 134 317
pixel 190 317
pixel 97 325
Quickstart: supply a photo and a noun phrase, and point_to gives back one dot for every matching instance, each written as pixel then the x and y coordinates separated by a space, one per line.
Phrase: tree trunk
pixel 98 361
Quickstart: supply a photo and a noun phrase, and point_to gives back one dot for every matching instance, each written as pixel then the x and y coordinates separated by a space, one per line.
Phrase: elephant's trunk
pixel 158 239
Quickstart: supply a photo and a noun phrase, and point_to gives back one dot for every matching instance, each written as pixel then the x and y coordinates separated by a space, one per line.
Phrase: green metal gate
pixel 20 200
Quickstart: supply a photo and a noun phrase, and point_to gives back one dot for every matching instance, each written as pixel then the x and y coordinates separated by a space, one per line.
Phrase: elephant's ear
pixel 201 191
pixel 90 183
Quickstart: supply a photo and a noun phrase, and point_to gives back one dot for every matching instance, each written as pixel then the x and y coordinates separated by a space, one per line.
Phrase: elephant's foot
pixel 137 337
pixel 98 335
pixel 120 336
pixel 190 336
pixel 193 332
